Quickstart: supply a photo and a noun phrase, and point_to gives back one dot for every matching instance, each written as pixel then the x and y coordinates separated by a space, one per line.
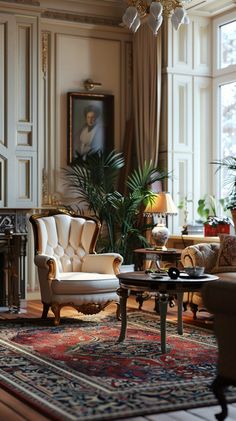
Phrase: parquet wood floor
pixel 12 409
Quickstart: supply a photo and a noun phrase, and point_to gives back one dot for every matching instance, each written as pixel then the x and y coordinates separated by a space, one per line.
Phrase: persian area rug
pixel 77 371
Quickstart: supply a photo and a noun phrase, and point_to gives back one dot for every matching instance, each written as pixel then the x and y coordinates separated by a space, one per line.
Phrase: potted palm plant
pixel 229 164
pixel 93 181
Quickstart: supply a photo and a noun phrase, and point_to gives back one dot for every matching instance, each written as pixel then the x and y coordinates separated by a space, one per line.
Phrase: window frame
pixel 220 77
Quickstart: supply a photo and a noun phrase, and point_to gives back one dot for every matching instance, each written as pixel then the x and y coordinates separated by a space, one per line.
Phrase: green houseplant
pixel 229 165
pixel 94 179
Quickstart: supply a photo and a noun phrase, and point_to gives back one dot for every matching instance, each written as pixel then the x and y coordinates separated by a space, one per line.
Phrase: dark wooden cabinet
pixel 13 240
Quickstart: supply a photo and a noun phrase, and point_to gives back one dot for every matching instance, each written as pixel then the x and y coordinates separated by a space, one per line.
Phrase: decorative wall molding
pixel 71 17
pixel 23 2
pixel 45 40
pixel 24 127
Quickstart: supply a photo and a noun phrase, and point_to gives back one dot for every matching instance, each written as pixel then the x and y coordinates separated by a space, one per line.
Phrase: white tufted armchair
pixel 70 272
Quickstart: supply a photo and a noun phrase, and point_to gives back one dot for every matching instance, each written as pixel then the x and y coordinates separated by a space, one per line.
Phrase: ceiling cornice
pixel 73 17
pixel 23 2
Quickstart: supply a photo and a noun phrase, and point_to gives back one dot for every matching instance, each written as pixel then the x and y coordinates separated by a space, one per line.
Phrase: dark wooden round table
pixel 163 286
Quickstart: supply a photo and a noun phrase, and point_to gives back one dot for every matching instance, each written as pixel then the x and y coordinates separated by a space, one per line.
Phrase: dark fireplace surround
pixel 13 240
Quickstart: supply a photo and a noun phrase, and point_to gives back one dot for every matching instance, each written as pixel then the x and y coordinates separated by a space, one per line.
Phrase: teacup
pixel 194 271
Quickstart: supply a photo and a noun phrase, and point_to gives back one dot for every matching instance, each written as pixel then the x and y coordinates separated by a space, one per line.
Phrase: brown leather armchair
pixel 203 254
pixel 219 299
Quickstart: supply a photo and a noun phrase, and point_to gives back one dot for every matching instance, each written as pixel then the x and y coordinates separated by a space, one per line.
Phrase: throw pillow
pixel 226 260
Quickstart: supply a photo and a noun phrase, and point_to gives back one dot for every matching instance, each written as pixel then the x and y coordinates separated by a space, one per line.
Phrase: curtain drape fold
pixel 147 93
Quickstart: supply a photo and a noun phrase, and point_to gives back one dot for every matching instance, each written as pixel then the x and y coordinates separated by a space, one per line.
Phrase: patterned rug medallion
pixel 77 371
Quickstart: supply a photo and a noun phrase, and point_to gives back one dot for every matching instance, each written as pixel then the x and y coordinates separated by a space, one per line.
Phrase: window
pixel 228 118
pixel 224 91
pixel 227 44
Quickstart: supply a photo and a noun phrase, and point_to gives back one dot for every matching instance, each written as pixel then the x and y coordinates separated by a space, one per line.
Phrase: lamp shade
pixel 161 203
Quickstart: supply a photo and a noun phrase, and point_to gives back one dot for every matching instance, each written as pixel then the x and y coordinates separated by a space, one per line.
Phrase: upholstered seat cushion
pixel 84 283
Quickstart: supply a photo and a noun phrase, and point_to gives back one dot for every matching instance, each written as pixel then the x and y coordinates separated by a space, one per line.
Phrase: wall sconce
pixel 89 84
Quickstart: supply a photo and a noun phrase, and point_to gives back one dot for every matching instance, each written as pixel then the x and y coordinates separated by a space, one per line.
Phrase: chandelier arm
pixel 174 8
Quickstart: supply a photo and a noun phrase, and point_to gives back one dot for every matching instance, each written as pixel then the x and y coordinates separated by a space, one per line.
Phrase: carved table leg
pixel 123 294
pixel 180 296
pixel 163 303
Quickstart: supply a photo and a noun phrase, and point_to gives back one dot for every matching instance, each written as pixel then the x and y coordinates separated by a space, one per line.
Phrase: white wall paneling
pixel 182 48
pixel 27 136
pixel 91 57
pixel 202 45
pixel 7 119
pixel 2 83
pixel 182 186
pixel 76 53
pixel 202 136
pixel 23 73
pixel 18 103
pixel 182 114
pixel 24 178
pixel 187 90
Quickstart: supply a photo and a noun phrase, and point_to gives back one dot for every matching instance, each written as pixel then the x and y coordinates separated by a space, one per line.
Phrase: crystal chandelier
pixel 154 11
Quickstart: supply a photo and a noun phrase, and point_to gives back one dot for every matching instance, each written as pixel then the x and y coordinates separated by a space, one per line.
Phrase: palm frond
pixel 229 164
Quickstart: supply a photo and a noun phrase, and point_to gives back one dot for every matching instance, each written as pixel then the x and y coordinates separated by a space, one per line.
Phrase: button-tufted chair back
pixel 67 239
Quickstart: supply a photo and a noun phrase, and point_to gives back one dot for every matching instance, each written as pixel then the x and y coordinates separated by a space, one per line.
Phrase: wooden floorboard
pixel 12 409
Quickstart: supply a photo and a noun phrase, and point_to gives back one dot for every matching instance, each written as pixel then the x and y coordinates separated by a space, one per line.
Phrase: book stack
pixel 195 229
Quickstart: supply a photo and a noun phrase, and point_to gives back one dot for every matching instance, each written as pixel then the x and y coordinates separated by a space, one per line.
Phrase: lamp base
pixel 160 234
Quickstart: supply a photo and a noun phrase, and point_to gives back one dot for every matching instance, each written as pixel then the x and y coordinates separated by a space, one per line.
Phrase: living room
pixel 168 98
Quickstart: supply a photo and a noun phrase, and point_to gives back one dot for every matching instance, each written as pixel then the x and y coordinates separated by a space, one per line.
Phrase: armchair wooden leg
pixel 194 309
pixel 185 306
pixel 56 309
pixel 46 308
pixel 218 387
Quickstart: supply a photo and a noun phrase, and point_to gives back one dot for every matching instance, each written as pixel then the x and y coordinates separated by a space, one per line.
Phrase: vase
pixel 160 234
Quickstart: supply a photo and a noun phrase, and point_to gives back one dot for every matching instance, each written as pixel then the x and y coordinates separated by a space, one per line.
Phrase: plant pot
pixel 210 230
pixel 223 228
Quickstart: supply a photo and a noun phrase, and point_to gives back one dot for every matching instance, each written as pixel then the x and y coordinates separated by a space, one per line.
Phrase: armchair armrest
pixel 108 263
pixel 47 263
pixel 200 255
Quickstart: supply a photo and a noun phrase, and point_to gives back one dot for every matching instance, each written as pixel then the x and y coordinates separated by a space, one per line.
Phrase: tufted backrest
pixel 66 238
pixel 203 254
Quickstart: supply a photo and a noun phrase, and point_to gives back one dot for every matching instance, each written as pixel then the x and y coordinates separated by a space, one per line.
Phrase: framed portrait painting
pixel 90 123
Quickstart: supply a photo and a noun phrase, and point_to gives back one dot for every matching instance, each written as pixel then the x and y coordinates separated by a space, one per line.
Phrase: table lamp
pixel 161 205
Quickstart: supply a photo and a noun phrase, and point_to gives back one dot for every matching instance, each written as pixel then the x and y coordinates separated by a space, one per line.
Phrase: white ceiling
pixel 211 7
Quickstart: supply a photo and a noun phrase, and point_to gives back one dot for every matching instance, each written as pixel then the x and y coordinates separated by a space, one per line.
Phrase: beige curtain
pixel 147 92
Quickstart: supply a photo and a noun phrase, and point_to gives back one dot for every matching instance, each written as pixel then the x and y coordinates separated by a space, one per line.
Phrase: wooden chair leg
pixel 46 308
pixel 56 309
pixel 194 309
pixel 218 387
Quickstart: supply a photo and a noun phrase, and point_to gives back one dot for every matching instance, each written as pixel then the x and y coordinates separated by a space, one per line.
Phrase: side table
pixel 156 257
pixel 172 256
